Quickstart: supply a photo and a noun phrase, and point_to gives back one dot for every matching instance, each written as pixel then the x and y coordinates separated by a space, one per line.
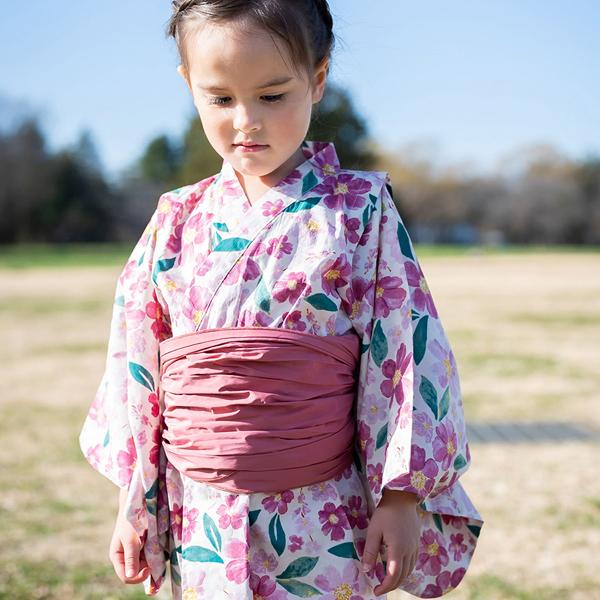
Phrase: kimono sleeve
pixel 410 423
pixel 122 419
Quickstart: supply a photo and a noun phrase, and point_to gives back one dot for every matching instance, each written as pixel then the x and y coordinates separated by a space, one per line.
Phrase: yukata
pixel 324 252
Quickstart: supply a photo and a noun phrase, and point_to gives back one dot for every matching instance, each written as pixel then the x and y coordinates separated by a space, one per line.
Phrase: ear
pixel 183 72
pixel 319 80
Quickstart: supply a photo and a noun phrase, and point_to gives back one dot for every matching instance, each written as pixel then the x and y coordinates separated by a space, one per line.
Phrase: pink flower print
pixel 456 545
pixel 198 299
pixel 262 562
pixel 421 477
pixel 421 296
pixel 423 425
pixel 94 454
pixel 296 543
pixel 334 520
pixel 445 369
pixel 432 554
pixel 154 453
pixel 366 443
pixel 375 476
pixel 357 517
pixel 344 585
pixel 394 371
pixel 313 546
pixel 174 241
pixel 336 274
pixel 279 246
pixel 344 190
pixel 445 444
pixel 263 588
pixel 322 491
pixel 237 569
pixel 97 410
pixel 270 207
pixel 244 268
pixel 360 290
pixel 351 227
pixel 326 160
pixel 126 459
pixel 228 515
pixel 290 287
pixel 153 401
pixel 293 320
pixel 189 524
pixel 177 520
pixel 278 502
pixel 389 294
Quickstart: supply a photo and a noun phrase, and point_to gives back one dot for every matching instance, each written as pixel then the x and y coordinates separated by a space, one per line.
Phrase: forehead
pixel 238 55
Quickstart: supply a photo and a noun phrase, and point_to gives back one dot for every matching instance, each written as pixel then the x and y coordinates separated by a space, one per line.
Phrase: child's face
pixel 240 61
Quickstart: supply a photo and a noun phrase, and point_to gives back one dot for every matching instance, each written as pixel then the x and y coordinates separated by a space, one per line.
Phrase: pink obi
pixel 259 409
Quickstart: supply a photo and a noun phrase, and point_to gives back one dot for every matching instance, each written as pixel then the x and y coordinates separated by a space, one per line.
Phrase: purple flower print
pixel 177 520
pixel 375 476
pixel 326 161
pixel 290 287
pixel 228 515
pixel 245 268
pixel 389 294
pixel 359 290
pixel 336 274
pixel 421 478
pixel 270 207
pixel 237 569
pixel 421 296
pixel 279 502
pixel 296 543
pixel 432 554
pixel 340 585
pixel 357 517
pixel 262 562
pixel 279 246
pixel 351 227
pixel 444 582
pixel 423 425
pixel 394 371
pixel 364 238
pixel 445 369
pixel 322 491
pixel 293 320
pixel 344 190
pixel 190 515
pixel 263 588
pixel 366 443
pixel 376 407
pixel 456 545
pixel 334 520
pixel 445 444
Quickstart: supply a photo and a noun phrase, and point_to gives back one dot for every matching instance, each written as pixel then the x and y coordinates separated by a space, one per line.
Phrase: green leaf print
pixel 381 437
pixel 231 245
pixel 474 529
pixel 277 535
pixel 303 590
pixel 364 347
pixel 345 550
pixel 221 226
pixel 429 394
pixel 262 296
pixel 141 375
pixel 302 205
pixel 420 339
pixel 309 182
pixel 106 438
pixel 120 300
pixel 212 532
pixel 444 404
pixel 438 521
pixel 253 515
pixel 367 214
pixel 404 242
pixel 299 568
pixel 162 265
pixel 200 554
pixel 151 493
pixel 322 302
pixel 379 345
pixel 459 462
pixel 139 262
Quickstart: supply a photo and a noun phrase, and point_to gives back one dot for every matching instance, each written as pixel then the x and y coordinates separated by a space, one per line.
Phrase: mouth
pixel 251 145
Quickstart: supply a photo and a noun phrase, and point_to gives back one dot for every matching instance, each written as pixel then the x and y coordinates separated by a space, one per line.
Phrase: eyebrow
pixel 273 82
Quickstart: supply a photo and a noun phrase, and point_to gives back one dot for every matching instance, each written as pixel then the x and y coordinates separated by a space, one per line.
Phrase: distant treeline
pixel 540 197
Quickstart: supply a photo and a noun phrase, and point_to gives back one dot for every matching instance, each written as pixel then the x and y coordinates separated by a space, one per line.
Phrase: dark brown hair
pixel 305 26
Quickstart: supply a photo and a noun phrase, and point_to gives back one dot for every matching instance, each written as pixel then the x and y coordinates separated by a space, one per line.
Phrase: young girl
pixel 280 406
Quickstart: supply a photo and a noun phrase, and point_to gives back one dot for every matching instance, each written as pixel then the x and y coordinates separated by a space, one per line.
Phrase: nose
pixel 246 119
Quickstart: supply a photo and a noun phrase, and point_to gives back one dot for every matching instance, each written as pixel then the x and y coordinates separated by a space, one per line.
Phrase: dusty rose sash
pixel 259 409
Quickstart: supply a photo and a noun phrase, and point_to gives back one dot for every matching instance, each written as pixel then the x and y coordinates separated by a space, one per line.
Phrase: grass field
pixel 525 329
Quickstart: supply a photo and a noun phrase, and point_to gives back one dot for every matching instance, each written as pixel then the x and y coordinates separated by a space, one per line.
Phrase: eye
pixel 219 100
pixel 274 98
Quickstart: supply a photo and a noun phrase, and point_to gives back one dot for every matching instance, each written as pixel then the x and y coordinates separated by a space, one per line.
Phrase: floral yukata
pixel 322 252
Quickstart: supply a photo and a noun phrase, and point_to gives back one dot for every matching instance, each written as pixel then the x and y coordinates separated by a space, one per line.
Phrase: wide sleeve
pixel 410 425
pixel 126 405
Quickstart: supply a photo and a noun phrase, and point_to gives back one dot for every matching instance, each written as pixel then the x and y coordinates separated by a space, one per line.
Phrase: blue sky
pixel 474 81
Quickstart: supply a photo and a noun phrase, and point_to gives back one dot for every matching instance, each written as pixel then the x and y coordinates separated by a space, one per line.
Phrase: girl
pixel 280 407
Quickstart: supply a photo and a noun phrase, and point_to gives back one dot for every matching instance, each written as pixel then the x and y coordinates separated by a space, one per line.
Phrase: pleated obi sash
pixel 259 409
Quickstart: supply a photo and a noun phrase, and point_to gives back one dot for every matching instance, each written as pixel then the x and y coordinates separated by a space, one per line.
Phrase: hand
pixel 396 525
pixel 126 553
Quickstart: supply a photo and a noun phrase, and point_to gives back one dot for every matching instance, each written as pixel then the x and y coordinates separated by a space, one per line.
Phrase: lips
pixel 249 144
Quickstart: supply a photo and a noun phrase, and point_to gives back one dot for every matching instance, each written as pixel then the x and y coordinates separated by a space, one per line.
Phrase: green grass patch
pixel 494 587
pixel 29 306
pixel 574 319
pixel 507 365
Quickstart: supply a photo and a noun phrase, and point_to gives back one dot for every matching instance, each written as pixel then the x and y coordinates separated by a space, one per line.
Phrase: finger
pixel 392 576
pixel 405 564
pixel 132 558
pixel 372 544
